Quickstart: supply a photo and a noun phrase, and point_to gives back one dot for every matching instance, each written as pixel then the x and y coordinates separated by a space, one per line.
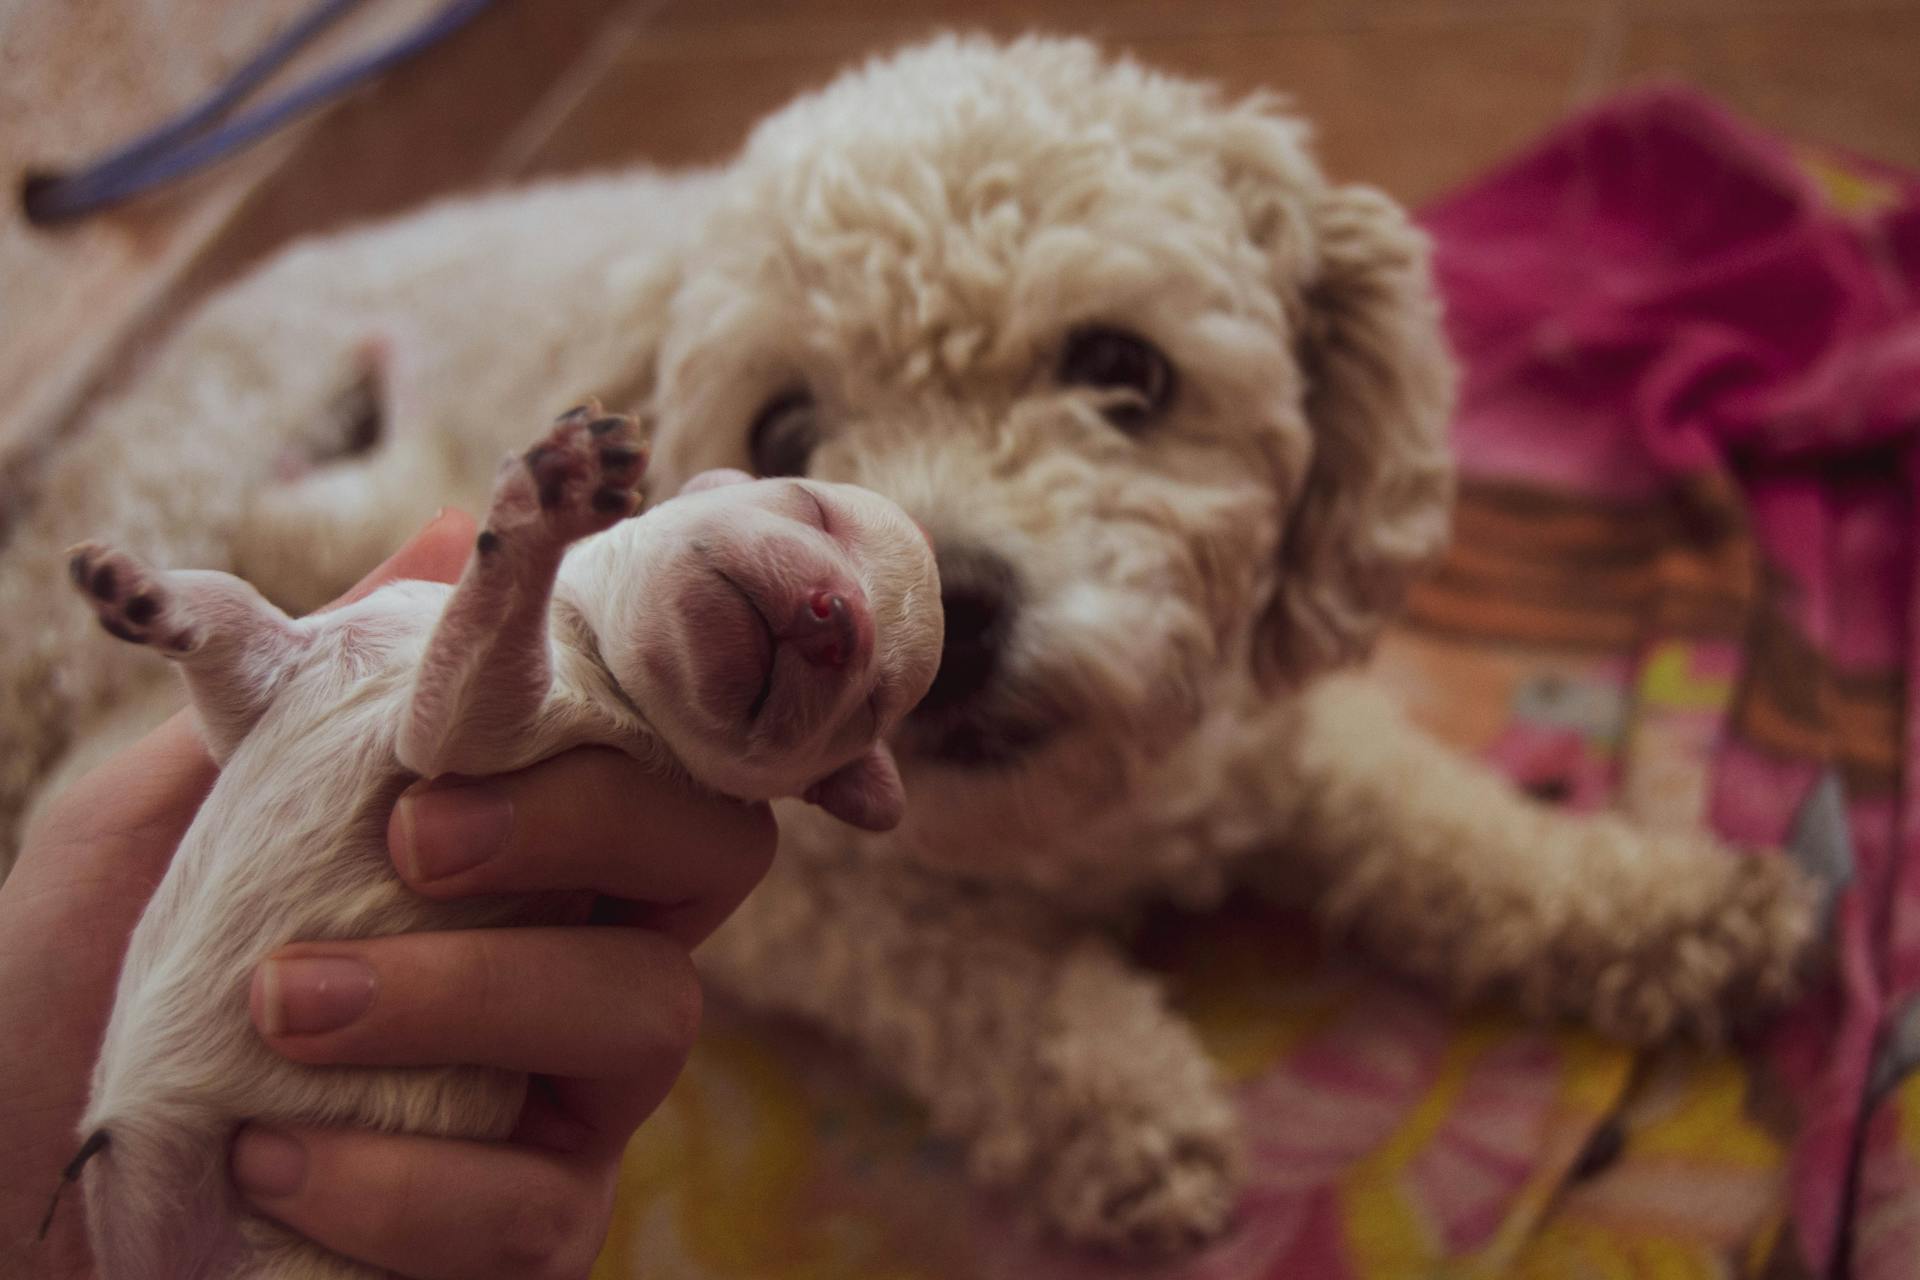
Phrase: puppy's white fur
pixel 915 246
pixel 319 723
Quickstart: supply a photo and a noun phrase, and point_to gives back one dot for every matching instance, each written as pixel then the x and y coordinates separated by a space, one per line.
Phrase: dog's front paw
pixel 130 599
pixel 1741 953
pixel 580 478
pixel 1143 1187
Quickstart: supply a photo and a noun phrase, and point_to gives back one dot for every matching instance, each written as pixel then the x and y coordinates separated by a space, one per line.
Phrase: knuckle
pixel 762 834
pixel 401 1202
pixel 471 963
pixel 549 1234
pixel 660 998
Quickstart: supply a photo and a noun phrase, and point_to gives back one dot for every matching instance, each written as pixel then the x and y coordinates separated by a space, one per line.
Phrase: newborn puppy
pixel 760 637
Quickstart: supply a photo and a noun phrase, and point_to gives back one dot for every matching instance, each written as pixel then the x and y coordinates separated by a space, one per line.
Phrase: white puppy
pixel 763 637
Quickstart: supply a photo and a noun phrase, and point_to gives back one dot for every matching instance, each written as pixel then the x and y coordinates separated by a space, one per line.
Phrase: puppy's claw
pixel 582 412
pixel 619 502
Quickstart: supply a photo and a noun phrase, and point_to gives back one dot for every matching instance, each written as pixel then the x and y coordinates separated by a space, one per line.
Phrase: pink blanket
pixel 1672 318
pixel 1684 584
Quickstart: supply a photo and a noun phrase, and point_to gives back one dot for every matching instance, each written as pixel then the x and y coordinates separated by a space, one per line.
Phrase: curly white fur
pixel 913 246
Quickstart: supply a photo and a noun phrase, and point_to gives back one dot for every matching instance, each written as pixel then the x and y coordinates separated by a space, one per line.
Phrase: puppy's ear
pixel 1379 398
pixel 867 793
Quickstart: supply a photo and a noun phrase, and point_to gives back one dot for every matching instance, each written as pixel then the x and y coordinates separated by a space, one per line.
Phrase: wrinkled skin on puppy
pixel 759 637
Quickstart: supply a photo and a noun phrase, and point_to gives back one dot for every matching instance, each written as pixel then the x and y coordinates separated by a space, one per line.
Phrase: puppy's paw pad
pixel 580 478
pixel 131 600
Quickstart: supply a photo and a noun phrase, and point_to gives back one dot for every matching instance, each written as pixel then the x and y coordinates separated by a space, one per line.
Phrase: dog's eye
pixel 1117 361
pixel 784 435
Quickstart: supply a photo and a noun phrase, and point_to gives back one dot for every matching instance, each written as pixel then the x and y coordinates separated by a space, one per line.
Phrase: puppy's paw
pixel 1145 1187
pixel 578 479
pixel 131 600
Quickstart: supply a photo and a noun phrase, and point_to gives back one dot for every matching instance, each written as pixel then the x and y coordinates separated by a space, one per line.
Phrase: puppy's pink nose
pixel 824 630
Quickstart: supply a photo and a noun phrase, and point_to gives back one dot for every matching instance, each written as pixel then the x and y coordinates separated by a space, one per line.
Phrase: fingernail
pixel 444 830
pixel 307 995
pixel 440 517
pixel 267 1164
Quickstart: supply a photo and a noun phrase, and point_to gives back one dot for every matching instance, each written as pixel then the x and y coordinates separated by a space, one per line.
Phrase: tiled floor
pixel 1415 95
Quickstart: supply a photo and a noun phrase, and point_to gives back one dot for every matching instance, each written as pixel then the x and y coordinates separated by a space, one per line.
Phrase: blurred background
pixel 1416 95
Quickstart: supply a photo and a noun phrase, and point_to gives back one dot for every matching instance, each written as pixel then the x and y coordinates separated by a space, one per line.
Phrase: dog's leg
pixel 1058 1065
pixel 488 667
pixel 232 645
pixel 1443 868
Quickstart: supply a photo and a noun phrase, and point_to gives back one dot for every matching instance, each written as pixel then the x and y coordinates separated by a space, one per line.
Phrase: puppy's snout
pixel 978 594
pixel 824 630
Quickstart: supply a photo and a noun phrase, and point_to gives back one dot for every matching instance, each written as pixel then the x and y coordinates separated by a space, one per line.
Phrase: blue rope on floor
pixel 197 136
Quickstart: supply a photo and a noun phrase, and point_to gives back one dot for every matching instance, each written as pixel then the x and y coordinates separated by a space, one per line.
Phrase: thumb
pixel 435 554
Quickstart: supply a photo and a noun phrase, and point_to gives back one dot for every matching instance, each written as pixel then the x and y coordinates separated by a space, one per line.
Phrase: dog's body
pixel 1172 408
pixel 653 645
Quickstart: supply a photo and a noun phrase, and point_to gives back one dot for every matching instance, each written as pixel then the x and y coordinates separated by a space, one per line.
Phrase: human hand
pixel 603 1016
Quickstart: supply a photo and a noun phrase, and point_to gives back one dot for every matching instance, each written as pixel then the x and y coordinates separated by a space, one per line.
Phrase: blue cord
pixel 196 138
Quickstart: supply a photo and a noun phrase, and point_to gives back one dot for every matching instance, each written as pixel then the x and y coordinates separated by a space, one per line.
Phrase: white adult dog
pixel 1172 408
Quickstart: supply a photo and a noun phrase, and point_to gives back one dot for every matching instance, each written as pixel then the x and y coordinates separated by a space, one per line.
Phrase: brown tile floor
pixel 1416 95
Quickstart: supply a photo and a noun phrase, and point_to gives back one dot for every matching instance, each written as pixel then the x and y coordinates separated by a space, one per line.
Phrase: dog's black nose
pixel 977 591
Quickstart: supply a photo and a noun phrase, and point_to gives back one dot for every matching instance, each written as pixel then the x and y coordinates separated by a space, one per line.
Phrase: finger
pixel 436 554
pixel 84 876
pixel 590 819
pixel 589 1117
pixel 429 1207
pixel 584 1001
pixel 117 825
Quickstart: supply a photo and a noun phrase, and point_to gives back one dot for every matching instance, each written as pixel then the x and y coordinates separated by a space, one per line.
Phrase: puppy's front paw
pixel 1144 1187
pixel 130 599
pixel 580 478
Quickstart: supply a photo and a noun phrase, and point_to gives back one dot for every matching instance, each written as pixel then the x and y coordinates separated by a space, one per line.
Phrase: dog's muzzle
pixel 966 719
pixel 978 591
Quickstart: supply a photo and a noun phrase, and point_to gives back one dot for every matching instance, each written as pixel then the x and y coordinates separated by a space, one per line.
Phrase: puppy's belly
pixel 173 1090
pixel 290 845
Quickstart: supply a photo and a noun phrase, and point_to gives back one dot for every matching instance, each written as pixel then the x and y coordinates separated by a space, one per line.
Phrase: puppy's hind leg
pixel 488 667
pixel 232 645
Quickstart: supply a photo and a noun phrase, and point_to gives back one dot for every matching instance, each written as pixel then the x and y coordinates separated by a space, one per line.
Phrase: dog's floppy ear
pixel 1379 396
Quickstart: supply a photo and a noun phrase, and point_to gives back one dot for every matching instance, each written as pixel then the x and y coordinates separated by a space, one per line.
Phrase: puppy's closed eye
pixel 784 435
pixel 1140 377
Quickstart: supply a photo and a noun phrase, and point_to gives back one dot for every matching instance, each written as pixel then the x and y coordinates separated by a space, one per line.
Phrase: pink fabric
pixel 1658 295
